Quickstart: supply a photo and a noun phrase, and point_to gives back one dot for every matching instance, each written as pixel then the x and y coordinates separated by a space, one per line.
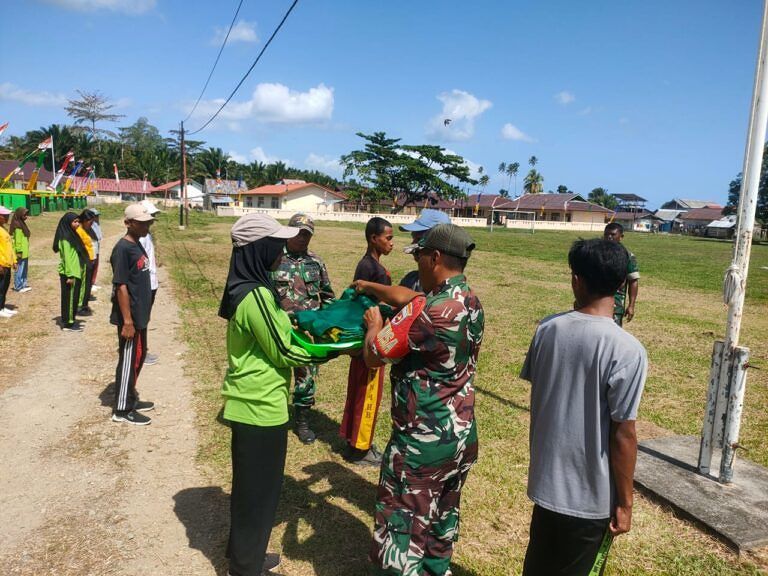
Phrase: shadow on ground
pixel 204 512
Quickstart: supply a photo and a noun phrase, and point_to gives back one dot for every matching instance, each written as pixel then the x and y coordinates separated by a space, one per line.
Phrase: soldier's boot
pixel 301 425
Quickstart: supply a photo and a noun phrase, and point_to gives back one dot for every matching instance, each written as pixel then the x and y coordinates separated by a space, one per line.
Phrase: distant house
pixel 172 191
pixel 217 192
pixel 684 205
pixel 293 195
pixel 669 220
pixel 725 227
pixel 695 221
pixel 630 202
pixel 112 191
pixel 20 180
pixel 553 208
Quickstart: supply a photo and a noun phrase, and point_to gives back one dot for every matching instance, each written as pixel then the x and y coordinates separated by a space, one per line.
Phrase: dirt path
pixel 80 494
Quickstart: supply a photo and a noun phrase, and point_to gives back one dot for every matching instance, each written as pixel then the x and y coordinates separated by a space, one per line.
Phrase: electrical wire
pixel 272 37
pixel 232 24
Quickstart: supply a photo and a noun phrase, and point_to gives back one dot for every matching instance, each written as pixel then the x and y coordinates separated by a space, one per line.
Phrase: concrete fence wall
pixel 547 225
pixel 362 217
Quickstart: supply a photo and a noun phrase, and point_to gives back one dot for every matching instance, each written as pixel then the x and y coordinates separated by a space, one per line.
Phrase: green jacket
pixel 20 243
pixel 69 261
pixel 260 360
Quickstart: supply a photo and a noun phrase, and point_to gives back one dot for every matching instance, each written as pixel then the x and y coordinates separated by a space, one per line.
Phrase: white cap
pixel 150 207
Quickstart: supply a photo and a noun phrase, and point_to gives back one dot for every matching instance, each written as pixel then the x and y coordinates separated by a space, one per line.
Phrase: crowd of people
pixel 586 373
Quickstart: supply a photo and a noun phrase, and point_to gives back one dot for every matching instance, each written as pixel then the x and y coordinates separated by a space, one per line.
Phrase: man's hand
pixel 359 286
pixel 70 281
pixel 373 319
pixel 128 331
pixel 621 521
pixel 629 313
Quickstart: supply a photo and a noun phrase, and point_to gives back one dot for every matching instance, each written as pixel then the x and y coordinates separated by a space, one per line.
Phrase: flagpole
pixel 53 159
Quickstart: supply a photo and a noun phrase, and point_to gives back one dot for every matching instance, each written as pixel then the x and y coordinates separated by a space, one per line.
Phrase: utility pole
pixel 183 189
pixel 728 375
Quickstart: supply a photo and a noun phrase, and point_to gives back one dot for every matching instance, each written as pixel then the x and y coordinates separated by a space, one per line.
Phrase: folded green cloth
pixel 340 321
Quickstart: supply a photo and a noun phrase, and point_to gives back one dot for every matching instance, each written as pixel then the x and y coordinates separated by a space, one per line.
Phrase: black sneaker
pixel 151 359
pixel 85 311
pixel 362 457
pixel 271 560
pixel 72 328
pixel 144 406
pixel 131 417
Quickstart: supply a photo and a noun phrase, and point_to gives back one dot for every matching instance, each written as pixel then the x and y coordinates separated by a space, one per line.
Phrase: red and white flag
pixel 46 144
pixel 117 176
pixel 67 159
pixel 3 127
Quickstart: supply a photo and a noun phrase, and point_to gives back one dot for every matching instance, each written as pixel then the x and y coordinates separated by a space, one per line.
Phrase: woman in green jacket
pixel 19 232
pixel 72 259
pixel 261 357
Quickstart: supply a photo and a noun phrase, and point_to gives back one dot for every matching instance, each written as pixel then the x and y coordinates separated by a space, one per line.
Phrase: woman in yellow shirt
pixel 7 262
pixel 86 219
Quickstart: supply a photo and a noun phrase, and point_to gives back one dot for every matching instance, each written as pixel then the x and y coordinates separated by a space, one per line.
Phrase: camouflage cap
pixel 449 239
pixel 303 222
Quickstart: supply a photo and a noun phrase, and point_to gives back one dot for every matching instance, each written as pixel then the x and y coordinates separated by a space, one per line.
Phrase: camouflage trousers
pixel 304 386
pixel 416 520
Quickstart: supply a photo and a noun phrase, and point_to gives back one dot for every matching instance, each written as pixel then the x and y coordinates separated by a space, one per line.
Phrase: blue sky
pixel 649 97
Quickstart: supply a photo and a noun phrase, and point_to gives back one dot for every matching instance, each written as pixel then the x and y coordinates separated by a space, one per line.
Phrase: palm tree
pixel 533 161
pixel 484 180
pixel 503 168
pixel 512 169
pixel 211 160
pixel 534 182
pixel 600 196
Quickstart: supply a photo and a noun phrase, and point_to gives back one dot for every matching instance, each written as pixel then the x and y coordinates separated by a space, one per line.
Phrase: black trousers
pixel 258 463
pixel 5 283
pixel 129 364
pixel 70 298
pixel 563 545
pixel 86 293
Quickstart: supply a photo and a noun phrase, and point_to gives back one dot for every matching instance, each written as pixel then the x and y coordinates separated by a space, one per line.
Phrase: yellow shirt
pixel 86 242
pixel 7 255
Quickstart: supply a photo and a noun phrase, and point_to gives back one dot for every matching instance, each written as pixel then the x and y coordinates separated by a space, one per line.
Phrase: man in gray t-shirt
pixel 587 376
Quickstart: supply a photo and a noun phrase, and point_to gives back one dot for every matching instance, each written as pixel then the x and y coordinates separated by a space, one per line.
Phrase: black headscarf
pixel 249 269
pixel 17 221
pixel 64 232
pixel 88 214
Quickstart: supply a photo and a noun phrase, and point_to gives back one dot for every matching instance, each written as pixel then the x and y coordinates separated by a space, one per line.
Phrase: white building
pixel 171 191
pixel 292 195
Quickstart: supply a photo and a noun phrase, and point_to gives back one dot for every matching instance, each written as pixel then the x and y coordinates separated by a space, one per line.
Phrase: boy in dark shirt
pixel 364 385
pixel 131 303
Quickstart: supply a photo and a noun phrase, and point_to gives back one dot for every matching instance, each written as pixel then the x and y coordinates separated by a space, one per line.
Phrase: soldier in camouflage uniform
pixel 302 282
pixel 626 295
pixel 433 344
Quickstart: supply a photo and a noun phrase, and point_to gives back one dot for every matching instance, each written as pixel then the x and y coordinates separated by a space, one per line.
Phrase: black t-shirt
pixel 372 271
pixel 411 280
pixel 130 266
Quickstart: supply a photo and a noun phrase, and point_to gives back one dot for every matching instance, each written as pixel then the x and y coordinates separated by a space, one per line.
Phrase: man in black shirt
pixel 131 304
pixel 364 385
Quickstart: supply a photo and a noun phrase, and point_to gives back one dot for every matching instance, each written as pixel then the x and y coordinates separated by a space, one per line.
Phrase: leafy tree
pixel 734 192
pixel 600 196
pixel 563 189
pixel 504 193
pixel 407 173
pixel 141 135
pixel 92 107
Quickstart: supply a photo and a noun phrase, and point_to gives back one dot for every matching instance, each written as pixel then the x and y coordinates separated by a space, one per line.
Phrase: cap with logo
pixel 302 222
pixel 138 213
pixel 448 239
pixel 150 207
pixel 252 227
pixel 427 219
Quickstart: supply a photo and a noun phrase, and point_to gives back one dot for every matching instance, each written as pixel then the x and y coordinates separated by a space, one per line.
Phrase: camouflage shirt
pixel 302 282
pixel 433 397
pixel 620 298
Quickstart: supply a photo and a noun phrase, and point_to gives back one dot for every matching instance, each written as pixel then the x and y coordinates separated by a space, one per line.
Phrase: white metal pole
pixel 735 280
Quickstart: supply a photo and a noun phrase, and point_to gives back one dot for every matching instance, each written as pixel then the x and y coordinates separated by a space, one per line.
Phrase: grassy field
pixel 325 514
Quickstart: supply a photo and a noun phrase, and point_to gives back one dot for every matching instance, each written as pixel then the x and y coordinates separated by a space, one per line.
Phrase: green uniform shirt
pixel 260 360
pixel 620 299
pixel 20 243
pixel 69 261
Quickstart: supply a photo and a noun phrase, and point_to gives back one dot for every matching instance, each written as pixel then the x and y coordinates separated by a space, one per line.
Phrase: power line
pixel 232 24
pixel 212 118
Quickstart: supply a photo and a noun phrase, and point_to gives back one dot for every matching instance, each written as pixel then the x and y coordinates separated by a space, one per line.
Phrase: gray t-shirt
pixel 584 371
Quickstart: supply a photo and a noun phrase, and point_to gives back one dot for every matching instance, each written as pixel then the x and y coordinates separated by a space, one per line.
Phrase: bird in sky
pixel 446 122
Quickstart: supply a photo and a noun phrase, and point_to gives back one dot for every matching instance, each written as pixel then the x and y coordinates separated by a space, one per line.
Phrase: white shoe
pixel 11 312
pixel 5 314
pixel 25 289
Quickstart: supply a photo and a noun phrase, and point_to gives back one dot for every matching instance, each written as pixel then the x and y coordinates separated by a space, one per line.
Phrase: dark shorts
pixel 563 545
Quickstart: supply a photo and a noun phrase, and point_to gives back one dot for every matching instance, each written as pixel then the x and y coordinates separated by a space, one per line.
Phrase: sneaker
pixel 144 406
pixel 271 561
pixel 25 289
pixel 11 312
pixel 358 457
pixel 73 328
pixel 5 313
pixel 151 359
pixel 91 298
pixel 85 311
pixel 131 417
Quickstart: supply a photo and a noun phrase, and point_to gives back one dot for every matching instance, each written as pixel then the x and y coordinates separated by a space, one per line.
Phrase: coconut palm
pixel 512 169
pixel 533 161
pixel 533 182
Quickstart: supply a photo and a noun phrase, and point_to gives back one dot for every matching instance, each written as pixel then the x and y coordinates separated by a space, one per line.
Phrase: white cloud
pixel 243 31
pixel 462 109
pixel 124 6
pixel 13 93
pixel 585 111
pixel 236 157
pixel 512 132
pixel 328 164
pixel 565 97
pixel 259 155
pixel 275 103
